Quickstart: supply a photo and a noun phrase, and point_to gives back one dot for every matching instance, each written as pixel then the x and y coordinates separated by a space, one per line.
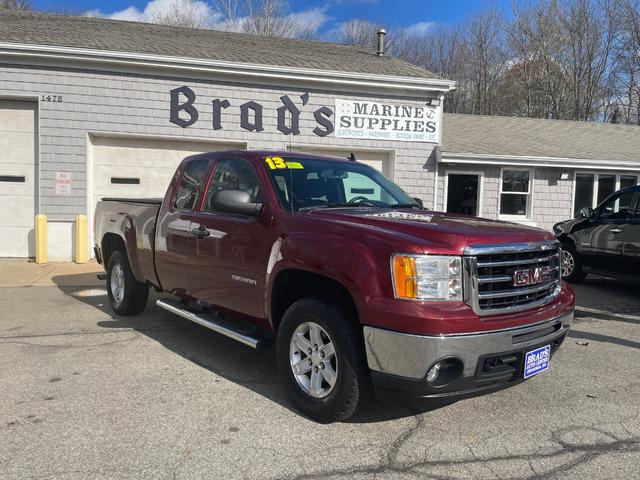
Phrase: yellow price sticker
pixel 276 163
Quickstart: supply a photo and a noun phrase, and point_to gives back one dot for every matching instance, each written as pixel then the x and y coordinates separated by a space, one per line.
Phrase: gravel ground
pixel 85 395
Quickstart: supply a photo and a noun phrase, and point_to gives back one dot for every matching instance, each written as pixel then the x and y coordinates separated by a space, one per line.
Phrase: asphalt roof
pixel 122 36
pixel 516 136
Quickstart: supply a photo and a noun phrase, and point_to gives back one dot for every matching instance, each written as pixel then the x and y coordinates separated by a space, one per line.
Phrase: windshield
pixel 304 184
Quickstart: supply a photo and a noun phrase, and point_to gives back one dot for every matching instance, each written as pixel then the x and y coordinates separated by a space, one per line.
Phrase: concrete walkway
pixel 24 273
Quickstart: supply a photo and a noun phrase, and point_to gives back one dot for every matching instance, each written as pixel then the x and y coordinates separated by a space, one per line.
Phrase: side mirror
pixel 586 212
pixel 418 201
pixel 234 201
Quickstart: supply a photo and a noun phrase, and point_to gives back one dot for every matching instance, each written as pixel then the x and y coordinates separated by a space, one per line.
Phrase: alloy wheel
pixel 313 360
pixel 117 283
pixel 568 263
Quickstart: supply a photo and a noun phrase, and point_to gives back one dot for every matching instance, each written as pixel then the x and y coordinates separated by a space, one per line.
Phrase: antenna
pixel 352 157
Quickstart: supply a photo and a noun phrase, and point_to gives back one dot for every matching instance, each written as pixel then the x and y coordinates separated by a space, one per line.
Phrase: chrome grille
pixel 489 273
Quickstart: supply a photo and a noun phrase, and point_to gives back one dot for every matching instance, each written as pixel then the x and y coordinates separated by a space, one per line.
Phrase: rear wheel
pixel 571 268
pixel 127 296
pixel 321 360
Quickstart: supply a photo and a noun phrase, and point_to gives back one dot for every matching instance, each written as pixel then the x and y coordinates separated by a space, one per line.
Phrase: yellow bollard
pixel 81 253
pixel 41 238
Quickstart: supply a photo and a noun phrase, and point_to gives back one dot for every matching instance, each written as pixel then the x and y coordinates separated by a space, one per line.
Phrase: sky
pixel 326 15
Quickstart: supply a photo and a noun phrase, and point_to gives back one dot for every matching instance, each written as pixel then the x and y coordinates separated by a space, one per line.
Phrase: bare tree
pixel 15 4
pixel 183 13
pixel 272 18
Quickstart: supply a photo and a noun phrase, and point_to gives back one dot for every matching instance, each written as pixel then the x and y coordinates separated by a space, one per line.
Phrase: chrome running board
pixel 211 324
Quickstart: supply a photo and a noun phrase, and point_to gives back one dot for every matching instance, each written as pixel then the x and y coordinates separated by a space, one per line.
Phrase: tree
pixel 272 18
pixel 184 13
pixel 15 4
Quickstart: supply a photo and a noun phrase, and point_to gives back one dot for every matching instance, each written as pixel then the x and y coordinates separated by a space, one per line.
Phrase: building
pixel 92 108
pixel 532 171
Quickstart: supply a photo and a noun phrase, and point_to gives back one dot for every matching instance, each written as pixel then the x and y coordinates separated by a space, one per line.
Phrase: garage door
pixel 378 160
pixel 139 168
pixel 18 127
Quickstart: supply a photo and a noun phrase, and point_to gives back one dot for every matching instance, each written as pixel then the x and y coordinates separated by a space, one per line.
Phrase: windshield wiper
pixel 339 205
pixel 405 205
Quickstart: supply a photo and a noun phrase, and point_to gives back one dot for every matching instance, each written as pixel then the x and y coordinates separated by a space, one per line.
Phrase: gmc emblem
pixel 531 276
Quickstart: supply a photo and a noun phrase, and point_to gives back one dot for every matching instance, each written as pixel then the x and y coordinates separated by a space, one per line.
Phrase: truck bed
pixel 130 221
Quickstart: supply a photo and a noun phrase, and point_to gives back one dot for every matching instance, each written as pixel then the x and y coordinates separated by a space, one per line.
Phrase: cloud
pixel 313 18
pixel 420 28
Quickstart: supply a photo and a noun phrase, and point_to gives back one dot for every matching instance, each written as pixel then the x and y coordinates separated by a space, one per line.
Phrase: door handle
pixel 615 230
pixel 200 232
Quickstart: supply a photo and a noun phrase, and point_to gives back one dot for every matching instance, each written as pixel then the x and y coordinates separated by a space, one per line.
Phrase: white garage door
pixel 18 127
pixel 378 160
pixel 140 168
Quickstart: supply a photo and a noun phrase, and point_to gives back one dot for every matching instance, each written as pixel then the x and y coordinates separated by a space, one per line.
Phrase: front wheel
pixel 127 296
pixel 571 268
pixel 321 360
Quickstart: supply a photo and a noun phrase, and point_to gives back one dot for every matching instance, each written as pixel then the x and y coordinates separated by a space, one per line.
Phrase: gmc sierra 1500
pixel 357 285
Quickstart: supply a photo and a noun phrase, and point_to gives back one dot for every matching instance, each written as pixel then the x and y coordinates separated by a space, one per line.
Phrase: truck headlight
pixel 427 277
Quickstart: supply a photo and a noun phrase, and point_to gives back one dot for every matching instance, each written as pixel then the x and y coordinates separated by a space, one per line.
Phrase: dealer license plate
pixel 537 361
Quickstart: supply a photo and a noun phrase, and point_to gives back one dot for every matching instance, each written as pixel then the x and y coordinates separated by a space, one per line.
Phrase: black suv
pixel 604 241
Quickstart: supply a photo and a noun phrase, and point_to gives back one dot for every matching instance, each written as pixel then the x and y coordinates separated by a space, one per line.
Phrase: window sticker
pixel 276 163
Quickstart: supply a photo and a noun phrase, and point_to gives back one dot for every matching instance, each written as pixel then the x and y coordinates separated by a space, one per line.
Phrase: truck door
pixel 631 242
pixel 227 252
pixel 172 230
pixel 602 240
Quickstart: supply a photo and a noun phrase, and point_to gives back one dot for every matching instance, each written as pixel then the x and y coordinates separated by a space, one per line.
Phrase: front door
pixel 602 239
pixel 227 262
pixel 462 193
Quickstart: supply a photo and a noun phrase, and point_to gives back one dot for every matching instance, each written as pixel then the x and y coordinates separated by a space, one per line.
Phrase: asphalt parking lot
pixel 85 395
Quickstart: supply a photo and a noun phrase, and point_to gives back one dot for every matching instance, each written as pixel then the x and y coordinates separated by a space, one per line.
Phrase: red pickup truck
pixel 356 284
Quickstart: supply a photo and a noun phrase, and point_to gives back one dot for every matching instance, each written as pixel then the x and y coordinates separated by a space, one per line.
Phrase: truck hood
pixel 434 232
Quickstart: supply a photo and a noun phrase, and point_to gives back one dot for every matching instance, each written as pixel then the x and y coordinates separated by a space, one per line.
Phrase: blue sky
pixel 328 14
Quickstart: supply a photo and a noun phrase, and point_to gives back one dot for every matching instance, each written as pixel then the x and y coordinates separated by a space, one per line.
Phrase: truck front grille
pixel 511 277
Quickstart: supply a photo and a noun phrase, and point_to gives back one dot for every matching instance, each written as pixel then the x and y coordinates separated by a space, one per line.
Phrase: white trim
pixel 528 161
pixel 256 71
pixel 528 217
pixel 479 193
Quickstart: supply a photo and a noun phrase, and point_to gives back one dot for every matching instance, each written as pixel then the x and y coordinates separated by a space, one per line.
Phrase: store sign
pixel 386 121
pixel 356 119
pixel 63 183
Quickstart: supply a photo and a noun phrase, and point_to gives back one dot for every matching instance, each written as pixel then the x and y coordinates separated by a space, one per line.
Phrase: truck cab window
pixel 190 184
pixel 233 174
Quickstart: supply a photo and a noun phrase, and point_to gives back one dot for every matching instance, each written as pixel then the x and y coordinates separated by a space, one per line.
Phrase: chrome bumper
pixel 411 356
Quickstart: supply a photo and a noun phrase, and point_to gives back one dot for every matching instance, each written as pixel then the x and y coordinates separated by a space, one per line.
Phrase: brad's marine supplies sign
pixel 352 119
pixel 382 121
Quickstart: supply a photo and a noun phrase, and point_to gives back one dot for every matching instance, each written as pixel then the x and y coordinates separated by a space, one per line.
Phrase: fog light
pixel 432 374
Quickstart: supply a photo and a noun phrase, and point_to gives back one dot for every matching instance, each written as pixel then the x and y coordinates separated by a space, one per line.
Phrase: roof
pixel 533 137
pixel 145 38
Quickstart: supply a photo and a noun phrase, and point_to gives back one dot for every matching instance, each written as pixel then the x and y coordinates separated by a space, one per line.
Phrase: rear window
pixel 190 184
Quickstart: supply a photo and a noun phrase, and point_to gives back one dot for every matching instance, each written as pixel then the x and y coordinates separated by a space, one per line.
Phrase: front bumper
pixel 474 362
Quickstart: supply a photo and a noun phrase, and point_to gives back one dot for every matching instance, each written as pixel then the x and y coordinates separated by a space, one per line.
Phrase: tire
pixel 127 296
pixel 351 383
pixel 571 266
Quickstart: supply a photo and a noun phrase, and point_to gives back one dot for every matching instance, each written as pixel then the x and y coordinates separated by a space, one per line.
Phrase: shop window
pixel 584 192
pixel 591 189
pixel 627 181
pixel 515 193
pixel 606 186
